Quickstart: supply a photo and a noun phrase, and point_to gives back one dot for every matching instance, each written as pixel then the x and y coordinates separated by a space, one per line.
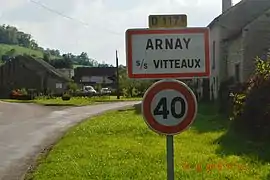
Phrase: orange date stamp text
pixel 213 167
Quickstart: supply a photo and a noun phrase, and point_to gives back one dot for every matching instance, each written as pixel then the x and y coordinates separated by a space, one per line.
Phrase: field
pixel 19 50
pixel 4 48
pixel 118 145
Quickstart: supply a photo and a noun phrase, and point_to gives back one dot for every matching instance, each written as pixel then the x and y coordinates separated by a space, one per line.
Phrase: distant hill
pixel 19 50
pixel 14 42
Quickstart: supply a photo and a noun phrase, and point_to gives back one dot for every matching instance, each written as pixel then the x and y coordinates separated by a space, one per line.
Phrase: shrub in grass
pixel 21 94
pixel 251 110
pixel 66 97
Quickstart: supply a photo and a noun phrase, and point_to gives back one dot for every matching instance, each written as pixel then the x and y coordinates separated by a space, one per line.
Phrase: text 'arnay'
pixel 168 43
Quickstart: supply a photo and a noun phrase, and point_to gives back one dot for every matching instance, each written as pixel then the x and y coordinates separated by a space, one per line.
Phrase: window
pixel 58 85
pixel 96 79
pixel 85 79
pixel 237 72
pixel 214 55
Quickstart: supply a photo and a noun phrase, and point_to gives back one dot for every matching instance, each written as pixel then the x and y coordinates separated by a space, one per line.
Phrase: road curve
pixel 27 129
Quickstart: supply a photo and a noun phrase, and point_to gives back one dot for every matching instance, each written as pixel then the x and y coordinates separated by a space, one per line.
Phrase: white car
pixel 105 91
pixel 89 89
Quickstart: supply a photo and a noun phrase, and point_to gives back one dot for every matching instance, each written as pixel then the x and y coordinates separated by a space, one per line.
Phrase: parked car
pixel 105 91
pixel 89 89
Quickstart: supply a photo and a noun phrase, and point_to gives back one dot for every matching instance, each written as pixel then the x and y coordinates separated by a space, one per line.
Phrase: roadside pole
pixel 169 120
pixel 117 76
pixel 170 157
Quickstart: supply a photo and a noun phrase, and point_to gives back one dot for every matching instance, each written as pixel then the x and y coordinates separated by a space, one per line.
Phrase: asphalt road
pixel 27 129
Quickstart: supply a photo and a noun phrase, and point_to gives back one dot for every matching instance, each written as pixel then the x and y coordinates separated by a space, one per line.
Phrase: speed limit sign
pixel 169 107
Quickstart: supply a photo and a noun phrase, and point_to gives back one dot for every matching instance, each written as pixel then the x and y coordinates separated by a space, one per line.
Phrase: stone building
pixel 237 36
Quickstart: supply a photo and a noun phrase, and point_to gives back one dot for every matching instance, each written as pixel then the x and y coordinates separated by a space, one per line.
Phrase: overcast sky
pixel 97 26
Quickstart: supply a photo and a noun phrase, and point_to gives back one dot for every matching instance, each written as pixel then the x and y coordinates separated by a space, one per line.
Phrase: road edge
pixel 30 162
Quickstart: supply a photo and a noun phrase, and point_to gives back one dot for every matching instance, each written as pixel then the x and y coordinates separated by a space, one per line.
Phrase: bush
pixel 22 94
pixel 114 93
pixel 66 97
pixel 251 109
pixel 23 91
pixel 72 87
pixel 98 87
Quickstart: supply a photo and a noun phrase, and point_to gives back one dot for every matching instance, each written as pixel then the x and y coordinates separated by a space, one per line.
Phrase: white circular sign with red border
pixel 169 107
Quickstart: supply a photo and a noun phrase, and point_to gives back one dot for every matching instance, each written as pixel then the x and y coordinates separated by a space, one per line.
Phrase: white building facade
pixel 237 36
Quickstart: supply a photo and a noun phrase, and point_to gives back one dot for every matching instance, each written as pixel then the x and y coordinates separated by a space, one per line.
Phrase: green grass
pixel 118 145
pixel 19 50
pixel 75 101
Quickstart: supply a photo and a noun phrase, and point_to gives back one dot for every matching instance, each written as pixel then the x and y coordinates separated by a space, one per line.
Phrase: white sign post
pixel 168 53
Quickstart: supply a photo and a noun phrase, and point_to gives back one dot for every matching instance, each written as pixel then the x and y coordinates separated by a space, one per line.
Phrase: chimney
pixel 226 4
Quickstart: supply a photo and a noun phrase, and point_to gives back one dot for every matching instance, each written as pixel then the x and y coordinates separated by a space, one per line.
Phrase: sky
pixel 97 26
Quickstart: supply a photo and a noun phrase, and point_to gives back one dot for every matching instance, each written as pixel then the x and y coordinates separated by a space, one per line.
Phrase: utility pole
pixel 117 77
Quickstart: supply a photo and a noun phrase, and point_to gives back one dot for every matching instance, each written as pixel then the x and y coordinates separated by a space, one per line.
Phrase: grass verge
pixel 74 101
pixel 118 145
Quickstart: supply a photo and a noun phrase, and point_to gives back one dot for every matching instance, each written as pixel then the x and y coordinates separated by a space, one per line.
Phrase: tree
pixel 46 57
pixel 33 44
pixel 24 40
pixel 104 64
pixel 67 62
pixel 54 52
pixel 132 87
pixel 11 35
pixel 84 56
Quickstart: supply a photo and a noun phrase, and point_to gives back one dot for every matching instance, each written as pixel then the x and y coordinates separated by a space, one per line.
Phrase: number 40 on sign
pixel 162 107
pixel 169 107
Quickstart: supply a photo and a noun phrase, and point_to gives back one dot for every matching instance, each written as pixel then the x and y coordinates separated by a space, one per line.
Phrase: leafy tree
pixel 103 64
pixel 72 87
pixel 132 87
pixel 46 57
pixel 33 44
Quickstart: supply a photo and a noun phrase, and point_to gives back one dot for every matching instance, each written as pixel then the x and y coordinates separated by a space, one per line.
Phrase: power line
pixel 54 11
pixel 68 17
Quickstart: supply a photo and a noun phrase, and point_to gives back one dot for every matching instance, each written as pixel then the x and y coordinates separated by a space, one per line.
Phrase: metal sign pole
pixel 170 157
pixel 160 94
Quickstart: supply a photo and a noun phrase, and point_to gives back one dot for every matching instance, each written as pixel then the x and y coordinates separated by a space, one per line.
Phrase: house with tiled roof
pixel 27 72
pixel 237 36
